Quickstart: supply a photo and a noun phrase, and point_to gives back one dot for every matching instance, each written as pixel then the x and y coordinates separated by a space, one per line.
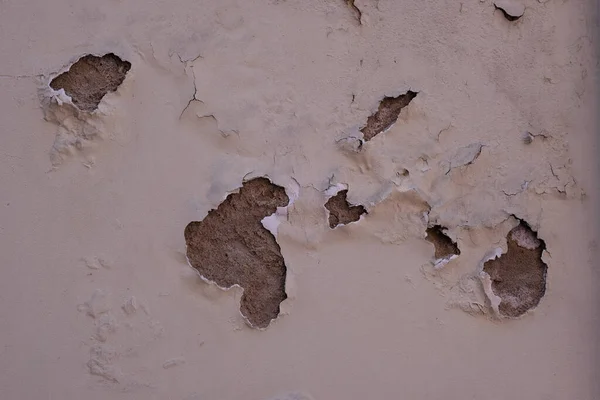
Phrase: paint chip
pixel 464 156
pixel 387 114
pixel 90 78
pixel 512 10
pixel 230 246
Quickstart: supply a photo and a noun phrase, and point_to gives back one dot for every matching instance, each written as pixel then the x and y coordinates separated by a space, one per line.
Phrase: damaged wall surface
pixel 299 200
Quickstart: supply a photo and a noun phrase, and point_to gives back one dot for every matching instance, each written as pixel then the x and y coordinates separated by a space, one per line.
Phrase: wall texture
pixel 455 145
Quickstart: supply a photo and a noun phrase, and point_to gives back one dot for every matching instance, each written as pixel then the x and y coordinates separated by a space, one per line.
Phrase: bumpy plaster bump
pixel 446 249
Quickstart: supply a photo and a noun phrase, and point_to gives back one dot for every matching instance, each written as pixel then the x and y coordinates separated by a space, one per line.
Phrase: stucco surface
pixel 98 299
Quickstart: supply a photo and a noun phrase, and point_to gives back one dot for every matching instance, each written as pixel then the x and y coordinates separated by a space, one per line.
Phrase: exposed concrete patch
pixel 68 99
pixel 230 246
pixel 340 211
pixel 445 248
pixel 90 78
pixel 387 114
pixel 518 277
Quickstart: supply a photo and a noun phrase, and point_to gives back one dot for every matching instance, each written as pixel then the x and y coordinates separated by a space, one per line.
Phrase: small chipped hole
pixel 387 114
pixel 341 212
pixel 444 246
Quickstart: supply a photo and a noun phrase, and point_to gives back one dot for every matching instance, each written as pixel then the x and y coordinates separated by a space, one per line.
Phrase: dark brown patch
pixel 230 246
pixel 519 275
pixel 387 114
pixel 444 246
pixel 90 78
pixel 341 212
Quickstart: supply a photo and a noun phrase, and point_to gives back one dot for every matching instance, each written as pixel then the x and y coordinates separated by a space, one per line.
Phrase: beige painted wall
pixel 93 206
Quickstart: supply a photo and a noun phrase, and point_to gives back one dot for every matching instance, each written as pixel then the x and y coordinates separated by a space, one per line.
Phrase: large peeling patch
pixel 518 277
pixel 232 247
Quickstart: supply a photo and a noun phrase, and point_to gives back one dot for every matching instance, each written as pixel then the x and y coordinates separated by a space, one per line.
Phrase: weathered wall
pixel 98 296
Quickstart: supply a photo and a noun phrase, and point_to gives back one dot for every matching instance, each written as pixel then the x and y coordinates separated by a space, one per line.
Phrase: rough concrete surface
pixel 519 276
pixel 124 122
pixel 340 211
pixel 90 78
pixel 230 247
